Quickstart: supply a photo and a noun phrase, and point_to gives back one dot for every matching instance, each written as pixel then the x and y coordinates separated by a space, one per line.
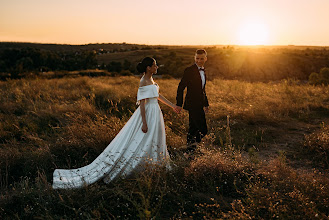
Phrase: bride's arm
pixel 167 102
pixel 142 106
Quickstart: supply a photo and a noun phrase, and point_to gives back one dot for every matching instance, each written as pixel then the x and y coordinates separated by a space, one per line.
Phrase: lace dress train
pixel 127 151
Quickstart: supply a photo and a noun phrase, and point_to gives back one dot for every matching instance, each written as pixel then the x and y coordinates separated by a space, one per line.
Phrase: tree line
pixel 16 62
pixel 250 64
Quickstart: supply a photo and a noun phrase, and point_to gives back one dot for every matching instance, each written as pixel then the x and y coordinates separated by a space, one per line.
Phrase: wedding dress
pixel 128 151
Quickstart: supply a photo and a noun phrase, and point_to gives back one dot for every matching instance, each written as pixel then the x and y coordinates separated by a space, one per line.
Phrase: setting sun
pixel 253 22
pixel 253 33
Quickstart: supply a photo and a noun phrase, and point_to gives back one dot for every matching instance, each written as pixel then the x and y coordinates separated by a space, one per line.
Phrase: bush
pixel 314 78
pixel 324 75
pixel 320 78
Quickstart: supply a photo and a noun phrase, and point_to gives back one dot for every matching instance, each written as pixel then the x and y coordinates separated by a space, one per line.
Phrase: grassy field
pixel 265 157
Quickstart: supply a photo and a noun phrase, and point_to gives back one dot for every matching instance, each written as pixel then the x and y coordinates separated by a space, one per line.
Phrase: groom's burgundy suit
pixel 195 100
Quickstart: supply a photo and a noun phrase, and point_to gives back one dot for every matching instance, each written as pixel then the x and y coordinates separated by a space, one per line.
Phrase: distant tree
pixel 10 57
pixel 35 55
pixel 28 63
pixel 324 75
pixel 53 61
pixel 90 60
pixel 114 67
pixel 314 78
pixel 319 78
pixel 126 64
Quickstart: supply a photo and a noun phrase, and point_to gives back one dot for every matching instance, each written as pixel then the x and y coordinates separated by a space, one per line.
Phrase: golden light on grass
pixel 67 122
pixel 253 33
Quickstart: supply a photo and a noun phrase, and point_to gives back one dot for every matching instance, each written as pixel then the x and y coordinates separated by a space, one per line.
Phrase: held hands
pixel 144 128
pixel 177 109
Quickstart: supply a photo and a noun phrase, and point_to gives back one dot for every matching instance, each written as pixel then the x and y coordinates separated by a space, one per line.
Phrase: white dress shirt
pixel 203 77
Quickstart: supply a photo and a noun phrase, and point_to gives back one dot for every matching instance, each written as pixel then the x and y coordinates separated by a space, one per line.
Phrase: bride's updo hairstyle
pixel 141 66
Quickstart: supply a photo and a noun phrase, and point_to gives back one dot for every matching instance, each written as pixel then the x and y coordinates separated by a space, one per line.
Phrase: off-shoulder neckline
pixel 155 84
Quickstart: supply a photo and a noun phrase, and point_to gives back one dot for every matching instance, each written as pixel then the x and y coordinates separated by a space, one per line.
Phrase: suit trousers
pixel 197 127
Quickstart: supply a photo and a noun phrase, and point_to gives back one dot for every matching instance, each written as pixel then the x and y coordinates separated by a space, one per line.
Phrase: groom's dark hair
pixel 201 51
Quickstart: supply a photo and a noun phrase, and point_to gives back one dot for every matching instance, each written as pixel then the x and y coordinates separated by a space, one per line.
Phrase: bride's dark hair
pixel 147 61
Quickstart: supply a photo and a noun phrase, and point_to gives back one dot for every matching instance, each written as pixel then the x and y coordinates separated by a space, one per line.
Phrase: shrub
pixel 314 78
pixel 320 78
pixel 324 75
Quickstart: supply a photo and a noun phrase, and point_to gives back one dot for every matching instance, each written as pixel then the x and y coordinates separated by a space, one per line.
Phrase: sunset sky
pixel 166 22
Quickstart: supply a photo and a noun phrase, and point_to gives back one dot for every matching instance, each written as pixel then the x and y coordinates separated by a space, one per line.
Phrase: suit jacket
pixel 196 97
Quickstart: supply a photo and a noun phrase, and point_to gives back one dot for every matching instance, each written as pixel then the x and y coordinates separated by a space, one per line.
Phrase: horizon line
pixel 186 45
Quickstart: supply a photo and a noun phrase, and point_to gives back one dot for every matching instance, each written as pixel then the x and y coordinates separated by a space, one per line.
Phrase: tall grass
pixel 317 145
pixel 67 123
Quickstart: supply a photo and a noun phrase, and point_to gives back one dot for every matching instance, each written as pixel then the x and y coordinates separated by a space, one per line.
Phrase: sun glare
pixel 253 33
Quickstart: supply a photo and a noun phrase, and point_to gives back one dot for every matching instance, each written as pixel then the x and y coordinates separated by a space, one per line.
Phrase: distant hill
pixel 251 63
pixel 68 47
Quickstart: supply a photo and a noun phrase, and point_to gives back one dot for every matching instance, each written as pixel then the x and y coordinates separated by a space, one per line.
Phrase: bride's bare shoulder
pixel 142 83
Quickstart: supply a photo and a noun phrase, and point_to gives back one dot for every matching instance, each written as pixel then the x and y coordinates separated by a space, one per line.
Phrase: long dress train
pixel 127 151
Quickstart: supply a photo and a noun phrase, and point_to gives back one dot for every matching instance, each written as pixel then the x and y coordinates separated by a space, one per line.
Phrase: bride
pixel 142 139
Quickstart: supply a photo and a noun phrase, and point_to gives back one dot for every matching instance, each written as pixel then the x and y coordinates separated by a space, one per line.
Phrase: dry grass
pixel 317 145
pixel 46 124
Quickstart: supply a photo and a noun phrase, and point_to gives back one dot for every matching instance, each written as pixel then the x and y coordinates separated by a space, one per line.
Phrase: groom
pixel 196 102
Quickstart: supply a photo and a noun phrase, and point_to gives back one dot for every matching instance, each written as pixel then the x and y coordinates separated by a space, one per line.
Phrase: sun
pixel 253 33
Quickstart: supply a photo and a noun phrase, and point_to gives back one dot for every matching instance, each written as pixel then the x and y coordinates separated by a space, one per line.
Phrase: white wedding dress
pixel 128 151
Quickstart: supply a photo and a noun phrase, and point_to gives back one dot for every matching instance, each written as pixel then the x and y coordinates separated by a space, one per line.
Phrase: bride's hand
pixel 144 128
